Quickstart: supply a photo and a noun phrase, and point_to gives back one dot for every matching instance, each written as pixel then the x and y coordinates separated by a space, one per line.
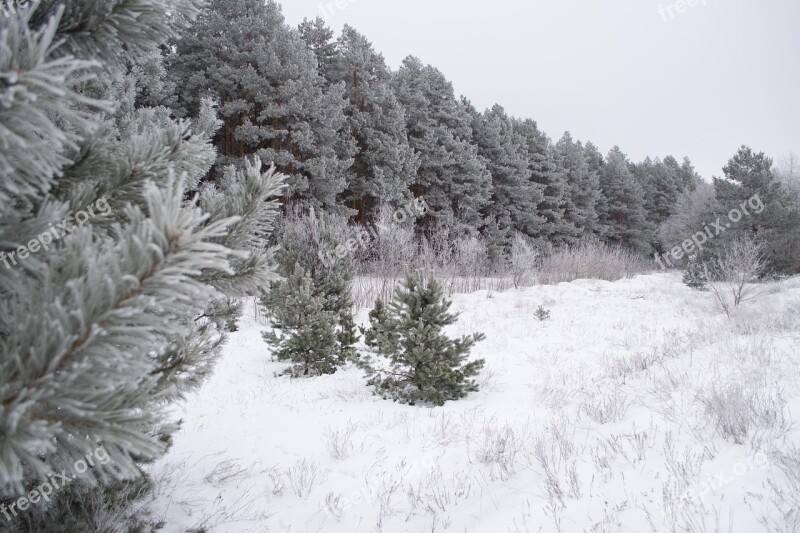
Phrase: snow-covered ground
pixel 620 413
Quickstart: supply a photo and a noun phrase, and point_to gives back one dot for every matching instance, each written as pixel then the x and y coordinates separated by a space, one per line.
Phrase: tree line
pixel 353 135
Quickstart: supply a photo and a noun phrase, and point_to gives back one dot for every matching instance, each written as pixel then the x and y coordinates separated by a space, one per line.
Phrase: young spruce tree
pixel 422 363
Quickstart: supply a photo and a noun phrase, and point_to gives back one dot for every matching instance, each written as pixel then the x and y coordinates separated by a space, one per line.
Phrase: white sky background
pixel 699 84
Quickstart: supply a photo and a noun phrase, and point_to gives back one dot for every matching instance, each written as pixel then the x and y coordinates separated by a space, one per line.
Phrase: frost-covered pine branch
pixel 103 318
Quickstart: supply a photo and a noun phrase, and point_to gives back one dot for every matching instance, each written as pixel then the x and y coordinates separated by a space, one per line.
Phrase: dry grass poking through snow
pixel 590 260
pixel 636 407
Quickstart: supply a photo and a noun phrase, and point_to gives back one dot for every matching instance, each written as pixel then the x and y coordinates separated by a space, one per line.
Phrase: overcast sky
pixel 654 81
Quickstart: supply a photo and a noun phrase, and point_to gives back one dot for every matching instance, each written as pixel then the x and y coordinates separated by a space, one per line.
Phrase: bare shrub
pixel 446 429
pixel 784 493
pixel 334 505
pixel 737 411
pixel 590 259
pixel 385 492
pixel 789 319
pixel 468 266
pixel 460 264
pixel 736 273
pixel 390 255
pixel 434 493
pixel 640 442
pixel 340 441
pixel 276 483
pixel 553 510
pixel 788 173
pixel 498 447
pixel 630 365
pixel 302 477
pixel 686 466
pixel 689 214
pixel 604 408
pixel 788 461
pixel 309 234
pixel 756 349
pixel 394 246
pixel 523 262
pixel 553 453
pixel 227 470
pixel 547 455
pixel 436 248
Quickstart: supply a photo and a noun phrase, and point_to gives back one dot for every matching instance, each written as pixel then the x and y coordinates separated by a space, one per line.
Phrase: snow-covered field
pixel 636 407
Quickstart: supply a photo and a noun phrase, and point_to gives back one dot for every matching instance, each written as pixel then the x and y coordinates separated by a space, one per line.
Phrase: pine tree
pixel 273 100
pixel 595 163
pixel 379 322
pixel 452 177
pixel 552 179
pixel 696 275
pixel 308 241
pixel 103 322
pixel 319 39
pixel 689 179
pixel 384 165
pixel 424 365
pixel 304 331
pixel 750 184
pixel 622 209
pixel 583 182
pixel 515 196
pixel 660 182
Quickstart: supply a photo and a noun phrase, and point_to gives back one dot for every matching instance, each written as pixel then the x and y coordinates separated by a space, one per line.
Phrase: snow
pixel 591 421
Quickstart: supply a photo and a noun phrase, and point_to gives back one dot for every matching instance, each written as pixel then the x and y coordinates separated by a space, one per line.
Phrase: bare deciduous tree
pixel 736 273
pixel 788 172
pixel 523 261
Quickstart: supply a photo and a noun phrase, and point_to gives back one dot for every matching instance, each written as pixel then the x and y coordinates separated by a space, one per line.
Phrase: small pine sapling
pixel 542 313
pixel 696 276
pixel 420 363
pixel 304 332
pixel 379 323
pixel 304 240
pixel 346 337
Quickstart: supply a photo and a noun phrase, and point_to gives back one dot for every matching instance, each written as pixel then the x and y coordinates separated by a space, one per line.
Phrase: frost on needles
pixel 101 330
pixel 417 362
